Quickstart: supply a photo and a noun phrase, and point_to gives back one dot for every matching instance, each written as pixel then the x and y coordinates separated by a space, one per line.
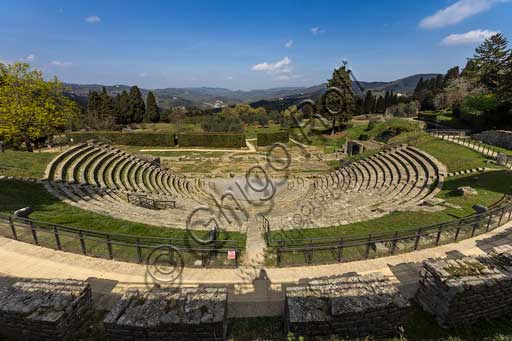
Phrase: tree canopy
pixel 31 108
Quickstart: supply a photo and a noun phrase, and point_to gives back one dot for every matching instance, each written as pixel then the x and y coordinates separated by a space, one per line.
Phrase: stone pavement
pixel 249 286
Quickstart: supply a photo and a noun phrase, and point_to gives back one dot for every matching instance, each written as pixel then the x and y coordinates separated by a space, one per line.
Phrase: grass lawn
pixel 24 164
pixel 491 186
pixel 17 194
pixel 172 151
pixel 251 131
pixel 418 326
pixel 170 127
pixel 454 156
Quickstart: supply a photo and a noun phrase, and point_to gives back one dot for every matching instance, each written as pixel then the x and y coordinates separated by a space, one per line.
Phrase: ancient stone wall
pixel 463 291
pixel 500 138
pixel 44 309
pixel 353 307
pixel 170 314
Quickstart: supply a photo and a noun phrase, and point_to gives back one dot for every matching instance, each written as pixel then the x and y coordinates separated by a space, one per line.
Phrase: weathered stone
pixel 171 313
pixel 355 306
pixel 44 309
pixel 466 190
pixel 464 291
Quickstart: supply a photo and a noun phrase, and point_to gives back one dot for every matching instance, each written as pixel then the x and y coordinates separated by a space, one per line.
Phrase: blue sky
pixel 244 44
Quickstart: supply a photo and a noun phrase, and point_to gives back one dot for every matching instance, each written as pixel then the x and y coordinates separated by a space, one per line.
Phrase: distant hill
pixel 210 97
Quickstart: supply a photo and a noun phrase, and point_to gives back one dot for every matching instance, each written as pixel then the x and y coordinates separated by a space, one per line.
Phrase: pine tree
pixel 341 80
pixel 491 60
pixel 152 110
pixel 136 106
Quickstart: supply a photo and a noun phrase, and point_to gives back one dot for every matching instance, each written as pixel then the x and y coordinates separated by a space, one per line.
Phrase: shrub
pixel 364 137
pixel 124 138
pixel 371 125
pixel 266 139
pixel 219 140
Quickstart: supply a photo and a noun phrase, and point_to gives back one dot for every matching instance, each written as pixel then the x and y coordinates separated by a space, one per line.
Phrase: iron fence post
pixel 489 222
pixel 393 246
pixel 501 216
pixel 109 247
pixel 139 251
pixel 13 228
pixel 34 234
pixel 417 241
pixel 438 237
pixel 368 246
pixel 57 237
pixel 82 242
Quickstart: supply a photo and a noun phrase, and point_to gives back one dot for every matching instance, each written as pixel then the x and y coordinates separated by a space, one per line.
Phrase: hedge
pixel 219 140
pixel 266 139
pixel 125 138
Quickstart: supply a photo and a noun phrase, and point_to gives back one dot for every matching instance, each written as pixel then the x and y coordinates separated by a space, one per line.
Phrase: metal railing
pixel 122 247
pixel 458 137
pixel 290 252
pixel 142 200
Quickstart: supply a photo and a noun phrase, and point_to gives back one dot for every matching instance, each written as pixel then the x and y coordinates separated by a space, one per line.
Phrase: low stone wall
pixel 44 309
pixel 459 292
pixel 170 314
pixel 356 306
pixel 500 138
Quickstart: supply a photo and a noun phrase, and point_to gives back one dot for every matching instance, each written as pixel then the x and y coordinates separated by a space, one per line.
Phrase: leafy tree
pixel 136 106
pixel 31 108
pixel 152 110
pixel 223 122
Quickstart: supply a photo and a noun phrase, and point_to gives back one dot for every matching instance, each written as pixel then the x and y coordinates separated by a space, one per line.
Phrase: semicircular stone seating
pixel 97 177
pixel 396 179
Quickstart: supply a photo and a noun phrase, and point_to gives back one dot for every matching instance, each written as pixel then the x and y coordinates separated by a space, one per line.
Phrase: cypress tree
pixel 369 103
pixel 380 106
pixel 107 111
pixel 152 110
pixel 136 106
pixel 123 105
pixel 451 74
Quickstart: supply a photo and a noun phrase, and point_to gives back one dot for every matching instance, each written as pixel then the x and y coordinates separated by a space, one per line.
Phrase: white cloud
pixel 317 30
pixel 93 19
pixel 475 36
pixel 288 44
pixel 143 74
pixel 230 78
pixel 29 58
pixel 457 12
pixel 280 66
pixel 59 63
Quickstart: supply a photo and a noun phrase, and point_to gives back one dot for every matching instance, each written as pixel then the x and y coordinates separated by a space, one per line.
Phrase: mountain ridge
pixel 215 97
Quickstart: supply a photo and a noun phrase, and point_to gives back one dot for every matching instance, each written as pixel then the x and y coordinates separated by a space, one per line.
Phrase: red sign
pixel 231 254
